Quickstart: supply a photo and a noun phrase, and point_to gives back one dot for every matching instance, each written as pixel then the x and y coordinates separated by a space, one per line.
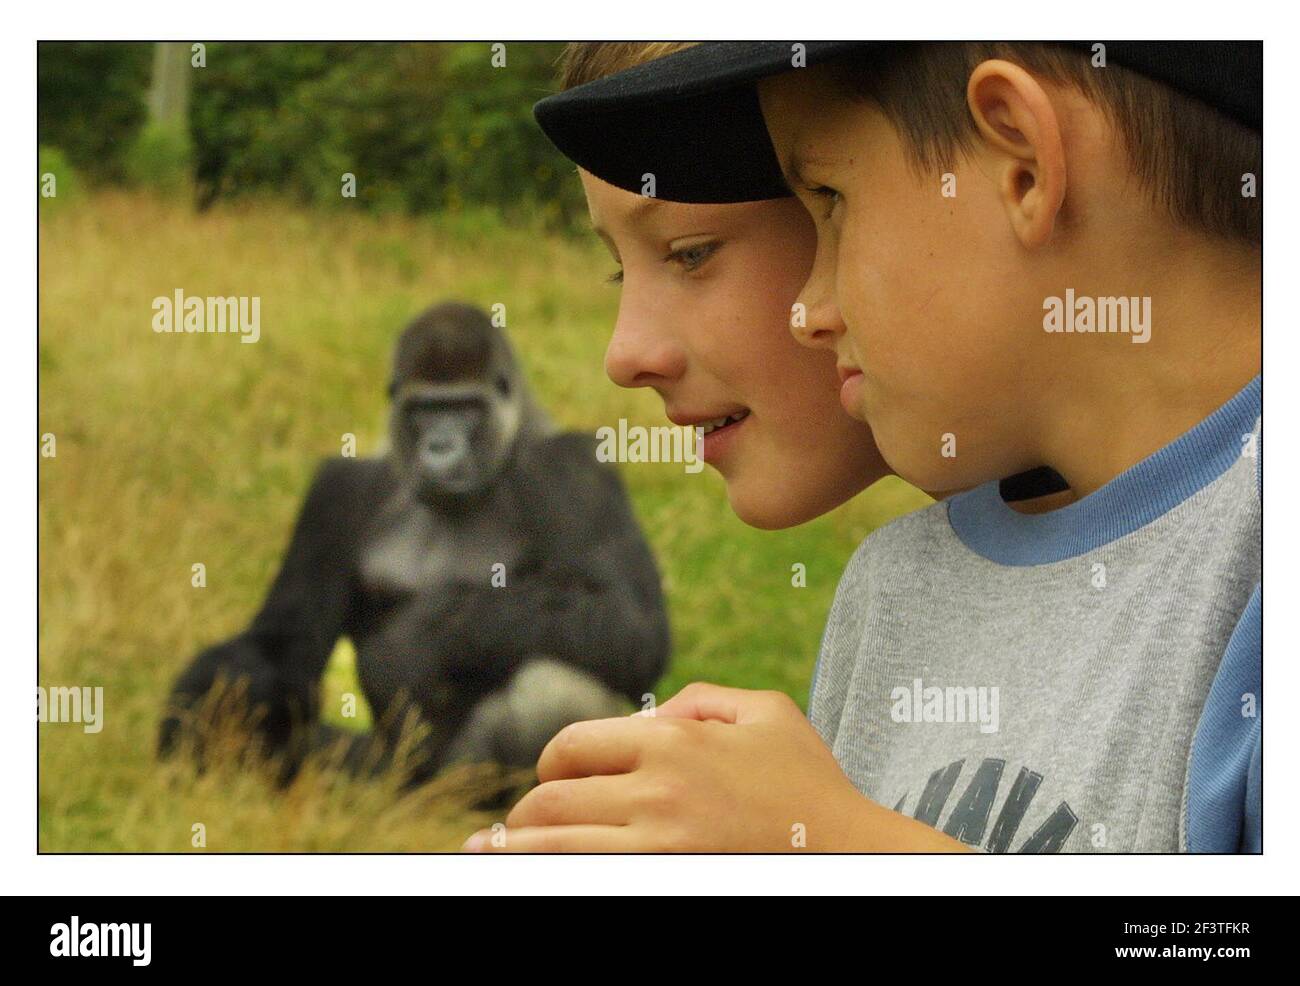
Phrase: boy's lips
pixel 850 388
pixel 846 370
pixel 706 420
pixel 719 429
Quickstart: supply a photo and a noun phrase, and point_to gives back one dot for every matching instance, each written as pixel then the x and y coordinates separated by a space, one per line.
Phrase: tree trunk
pixel 169 93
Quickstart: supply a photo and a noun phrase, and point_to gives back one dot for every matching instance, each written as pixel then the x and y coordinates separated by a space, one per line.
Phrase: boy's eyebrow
pixel 634 212
pixel 797 160
pixel 647 202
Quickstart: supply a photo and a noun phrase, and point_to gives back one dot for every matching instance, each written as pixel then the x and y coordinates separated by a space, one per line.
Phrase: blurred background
pixel 224 179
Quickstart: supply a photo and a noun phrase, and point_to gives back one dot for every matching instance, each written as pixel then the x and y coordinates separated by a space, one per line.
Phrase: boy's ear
pixel 1019 125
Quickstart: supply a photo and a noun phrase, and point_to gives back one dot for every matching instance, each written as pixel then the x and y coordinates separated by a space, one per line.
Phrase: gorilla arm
pixel 586 590
pixel 283 653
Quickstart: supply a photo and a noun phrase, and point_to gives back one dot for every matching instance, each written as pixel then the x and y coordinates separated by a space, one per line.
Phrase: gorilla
pixel 488 571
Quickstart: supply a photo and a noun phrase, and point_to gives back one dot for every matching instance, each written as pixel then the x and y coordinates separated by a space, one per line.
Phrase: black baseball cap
pixel 692 118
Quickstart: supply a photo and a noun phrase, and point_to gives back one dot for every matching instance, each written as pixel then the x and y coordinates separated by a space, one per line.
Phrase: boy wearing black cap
pixel 1027 255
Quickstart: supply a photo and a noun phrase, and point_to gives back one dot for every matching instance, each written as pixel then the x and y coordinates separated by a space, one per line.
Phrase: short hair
pixel 587 61
pixel 1190 158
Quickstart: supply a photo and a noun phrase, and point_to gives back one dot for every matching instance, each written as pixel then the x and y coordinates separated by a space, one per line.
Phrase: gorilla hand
pixel 233 682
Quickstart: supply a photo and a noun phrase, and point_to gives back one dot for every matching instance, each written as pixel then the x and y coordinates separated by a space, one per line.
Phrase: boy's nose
pixel 816 324
pixel 640 356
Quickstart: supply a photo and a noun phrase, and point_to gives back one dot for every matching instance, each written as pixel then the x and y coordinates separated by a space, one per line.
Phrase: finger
pixel 701 700
pixel 558 838
pixel 577 801
pixel 597 746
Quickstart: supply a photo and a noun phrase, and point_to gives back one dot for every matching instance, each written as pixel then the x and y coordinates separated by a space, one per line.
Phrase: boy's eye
pixel 616 277
pixel 691 257
pixel 829 196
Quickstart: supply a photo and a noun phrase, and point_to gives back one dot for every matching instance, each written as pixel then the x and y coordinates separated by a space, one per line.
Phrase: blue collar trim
pixel 1133 499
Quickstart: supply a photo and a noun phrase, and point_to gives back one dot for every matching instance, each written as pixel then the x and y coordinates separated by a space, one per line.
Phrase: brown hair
pixel 1191 159
pixel 587 61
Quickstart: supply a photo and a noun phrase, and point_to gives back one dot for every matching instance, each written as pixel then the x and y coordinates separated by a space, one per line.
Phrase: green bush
pixel 160 159
pixel 423 127
pixel 67 185
pixel 90 101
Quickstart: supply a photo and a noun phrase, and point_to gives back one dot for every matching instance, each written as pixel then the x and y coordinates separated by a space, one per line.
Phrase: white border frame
pixel 26 872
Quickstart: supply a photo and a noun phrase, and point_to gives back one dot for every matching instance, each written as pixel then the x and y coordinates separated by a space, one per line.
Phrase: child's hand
pixel 713 770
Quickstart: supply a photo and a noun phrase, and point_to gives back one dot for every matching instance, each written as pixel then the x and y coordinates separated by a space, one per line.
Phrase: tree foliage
pixel 423 127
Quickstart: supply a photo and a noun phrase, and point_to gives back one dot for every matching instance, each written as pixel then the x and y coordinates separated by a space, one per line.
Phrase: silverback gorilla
pixel 488 571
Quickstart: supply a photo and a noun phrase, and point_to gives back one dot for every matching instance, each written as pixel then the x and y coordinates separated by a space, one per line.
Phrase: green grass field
pixel 177 450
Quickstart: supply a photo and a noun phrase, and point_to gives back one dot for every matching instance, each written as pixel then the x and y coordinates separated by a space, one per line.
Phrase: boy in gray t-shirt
pixel 1085 679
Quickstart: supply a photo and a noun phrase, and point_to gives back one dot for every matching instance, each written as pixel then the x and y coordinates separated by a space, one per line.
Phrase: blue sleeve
pixel 1252 837
pixel 1225 780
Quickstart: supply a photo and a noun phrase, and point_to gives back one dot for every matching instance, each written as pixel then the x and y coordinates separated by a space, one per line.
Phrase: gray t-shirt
pixel 1038 683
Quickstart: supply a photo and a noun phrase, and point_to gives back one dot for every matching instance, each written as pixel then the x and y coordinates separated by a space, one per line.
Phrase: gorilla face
pixel 444 432
pixel 452 439
pixel 458 404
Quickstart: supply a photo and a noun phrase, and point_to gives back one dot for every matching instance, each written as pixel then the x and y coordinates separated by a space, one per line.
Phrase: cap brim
pixel 689 122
